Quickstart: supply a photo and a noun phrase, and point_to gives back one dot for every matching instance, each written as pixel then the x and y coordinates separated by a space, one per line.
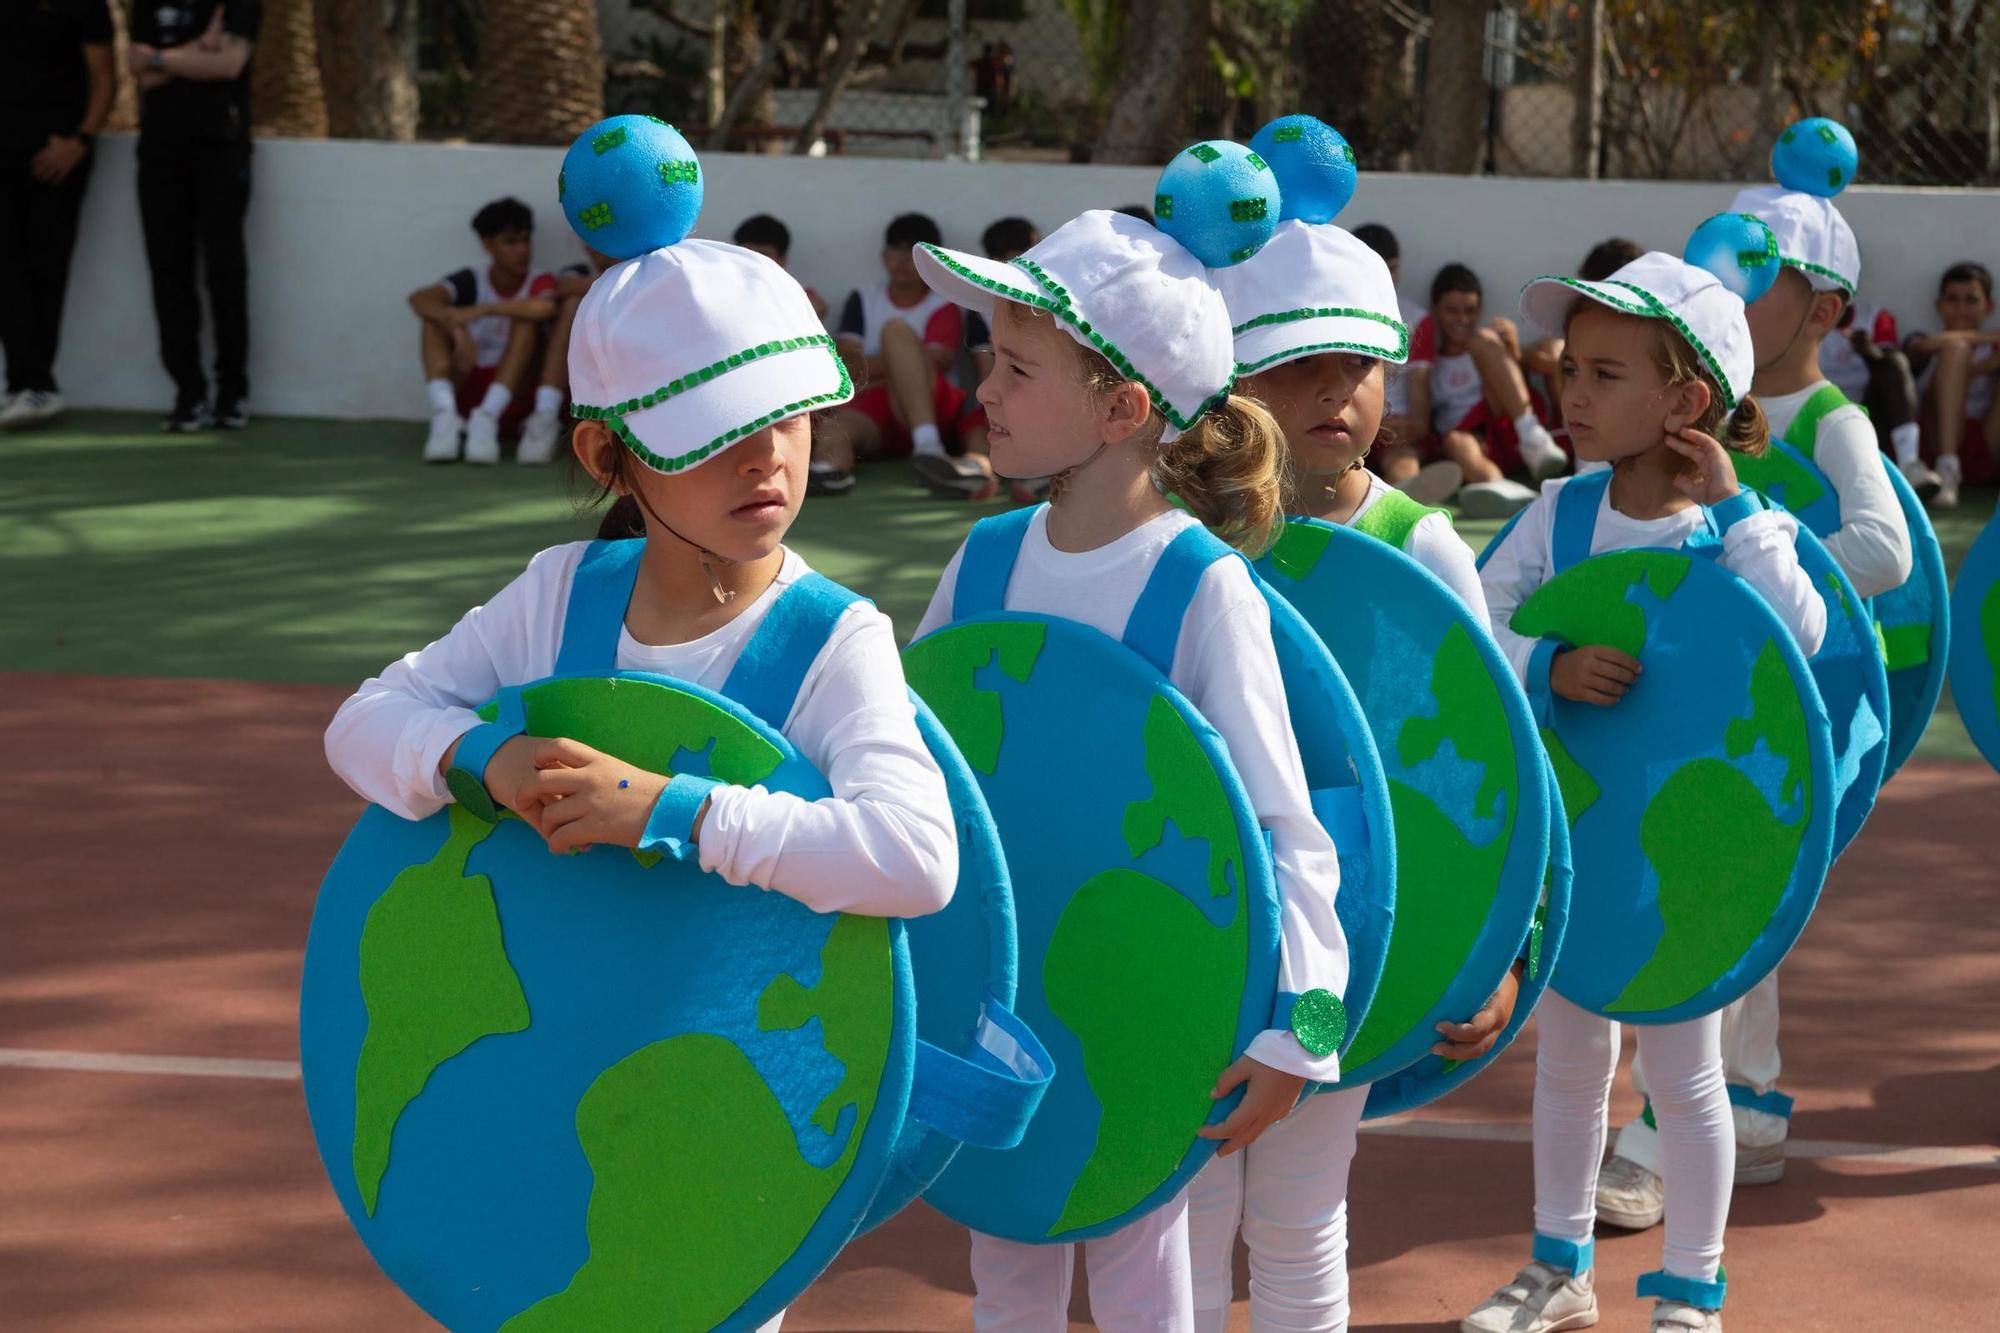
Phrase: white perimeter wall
pixel 340 232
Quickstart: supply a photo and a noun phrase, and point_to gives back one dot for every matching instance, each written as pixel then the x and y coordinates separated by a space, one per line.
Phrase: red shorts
pixel 1975 454
pixel 1496 435
pixel 472 391
pixel 957 412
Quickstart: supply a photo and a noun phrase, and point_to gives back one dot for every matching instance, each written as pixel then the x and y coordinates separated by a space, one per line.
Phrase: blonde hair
pixel 1228 467
pixel 1741 430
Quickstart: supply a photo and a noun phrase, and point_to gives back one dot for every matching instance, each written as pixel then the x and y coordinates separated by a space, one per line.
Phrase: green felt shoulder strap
pixel 1393 518
pixel 1803 433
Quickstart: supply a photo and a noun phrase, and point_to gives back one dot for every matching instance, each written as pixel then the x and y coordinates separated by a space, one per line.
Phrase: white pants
pixel 1576 1058
pixel 1749 1060
pixel 1289 1192
pixel 1138 1279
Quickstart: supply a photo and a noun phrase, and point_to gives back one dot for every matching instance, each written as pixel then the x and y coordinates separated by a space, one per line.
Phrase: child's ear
pixel 1687 401
pixel 1125 412
pixel 595 446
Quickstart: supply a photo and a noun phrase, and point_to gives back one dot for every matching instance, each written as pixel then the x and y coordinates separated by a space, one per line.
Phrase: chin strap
pixel 722 594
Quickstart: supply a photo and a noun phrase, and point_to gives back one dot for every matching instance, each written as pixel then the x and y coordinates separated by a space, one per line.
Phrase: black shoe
pixel 186 418
pixel 232 413
pixel 823 479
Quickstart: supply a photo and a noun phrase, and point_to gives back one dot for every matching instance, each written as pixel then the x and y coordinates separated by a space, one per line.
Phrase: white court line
pixel 1808 1149
pixel 1394 1127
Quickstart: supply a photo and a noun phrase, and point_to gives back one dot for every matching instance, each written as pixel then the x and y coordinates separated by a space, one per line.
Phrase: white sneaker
pixel 1948 478
pixel 30 407
pixel 1542 454
pixel 1680 1317
pixel 1434 483
pixel 1922 480
pixel 540 434
pixel 1540 1299
pixel 1759 1164
pixel 1495 499
pixel 441 445
pixel 1628 1195
pixel 482 438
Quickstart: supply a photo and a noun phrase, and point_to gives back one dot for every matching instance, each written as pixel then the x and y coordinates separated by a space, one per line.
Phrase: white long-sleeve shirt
pixel 1873 544
pixel 885 842
pixel 1227 667
pixel 1759 549
pixel 1435 545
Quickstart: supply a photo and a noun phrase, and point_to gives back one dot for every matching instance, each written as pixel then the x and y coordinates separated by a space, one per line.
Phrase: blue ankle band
pixel 1568 1255
pixel 1662 1285
pixel 1770 1103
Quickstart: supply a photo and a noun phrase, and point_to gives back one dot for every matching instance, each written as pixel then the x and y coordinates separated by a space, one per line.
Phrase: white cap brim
pixel 688 426
pixel 976 282
pixel 1546 303
pixel 1273 342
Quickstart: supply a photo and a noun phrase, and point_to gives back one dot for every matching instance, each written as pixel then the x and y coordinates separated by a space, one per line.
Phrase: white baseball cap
pixel 1122 288
pixel 1312 288
pixel 1812 235
pixel 684 350
pixel 1661 286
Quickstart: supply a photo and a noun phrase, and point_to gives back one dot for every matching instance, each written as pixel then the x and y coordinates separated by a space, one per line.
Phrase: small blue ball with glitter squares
pixel 629 185
pixel 1815 156
pixel 1313 163
pixel 1218 199
pixel 1738 248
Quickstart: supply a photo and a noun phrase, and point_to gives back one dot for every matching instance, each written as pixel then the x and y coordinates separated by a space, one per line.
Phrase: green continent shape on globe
pixel 1446 882
pixel 942 668
pixel 1578 789
pixel 1299 548
pixel 1188 793
pixel 1723 856
pixel 692 1211
pixel 1588 603
pixel 435 978
pixel 1151 988
pixel 1989 634
pixel 1779 475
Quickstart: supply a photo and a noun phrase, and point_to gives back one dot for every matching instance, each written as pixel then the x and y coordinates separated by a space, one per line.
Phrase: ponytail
pixel 1746 431
pixel 1229 469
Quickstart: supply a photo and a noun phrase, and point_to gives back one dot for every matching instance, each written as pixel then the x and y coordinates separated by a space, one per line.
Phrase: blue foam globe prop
pixel 1220 200
pixel 1738 248
pixel 630 184
pixel 1313 163
pixel 1815 156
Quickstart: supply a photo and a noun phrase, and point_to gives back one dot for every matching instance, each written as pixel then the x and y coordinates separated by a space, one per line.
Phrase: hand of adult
pixel 58 157
pixel 139 59
pixel 212 36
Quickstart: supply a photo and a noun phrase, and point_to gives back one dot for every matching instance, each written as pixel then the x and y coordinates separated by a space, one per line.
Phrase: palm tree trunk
pixel 1455 91
pixel 370 90
pixel 541 72
pixel 1148 120
pixel 285 94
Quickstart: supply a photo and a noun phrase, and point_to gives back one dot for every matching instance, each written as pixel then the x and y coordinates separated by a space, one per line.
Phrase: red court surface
pixel 157 1173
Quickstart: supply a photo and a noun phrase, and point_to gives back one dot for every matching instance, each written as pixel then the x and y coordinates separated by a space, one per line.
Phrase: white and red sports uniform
pixel 1458 401
pixel 938 323
pixel 474 286
pixel 1840 363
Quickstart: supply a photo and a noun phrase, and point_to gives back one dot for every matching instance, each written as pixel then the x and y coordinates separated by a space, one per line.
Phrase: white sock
pixel 1947 466
pixel 443 399
pixel 496 399
pixel 548 400
pixel 1904 440
pixel 1528 428
pixel 926 440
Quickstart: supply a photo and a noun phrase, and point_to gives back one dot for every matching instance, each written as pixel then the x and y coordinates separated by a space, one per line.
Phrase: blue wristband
pixel 670 828
pixel 466 779
pixel 1735 509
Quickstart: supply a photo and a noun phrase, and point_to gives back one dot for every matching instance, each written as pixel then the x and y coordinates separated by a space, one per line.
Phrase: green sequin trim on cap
pixel 1329 312
pixel 614 415
pixel 1319 1021
pixel 1648 307
pixel 1821 269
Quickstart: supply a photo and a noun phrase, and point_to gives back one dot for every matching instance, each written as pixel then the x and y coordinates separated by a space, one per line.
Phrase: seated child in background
pixel 899 339
pixel 773 239
pixel 1955 369
pixel 1003 241
pixel 541 433
pixel 480 327
pixel 1862 354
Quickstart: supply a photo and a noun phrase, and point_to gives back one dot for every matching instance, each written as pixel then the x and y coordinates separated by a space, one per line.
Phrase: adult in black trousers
pixel 192 61
pixel 56 85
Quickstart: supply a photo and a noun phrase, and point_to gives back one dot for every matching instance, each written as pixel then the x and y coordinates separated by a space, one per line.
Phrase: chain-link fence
pixel 1616 88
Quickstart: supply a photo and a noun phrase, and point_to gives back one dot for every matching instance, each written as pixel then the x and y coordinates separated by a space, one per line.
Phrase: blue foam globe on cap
pixel 1219 200
pixel 1815 156
pixel 1738 248
pixel 1313 163
pixel 630 184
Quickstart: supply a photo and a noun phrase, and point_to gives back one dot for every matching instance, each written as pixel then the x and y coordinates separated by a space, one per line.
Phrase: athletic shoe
pixel 30 407
pixel 540 434
pixel 232 413
pixel 482 438
pixel 947 475
pixel 441 445
pixel 1922 480
pixel 1948 478
pixel 1760 1164
pixel 1434 483
pixel 187 418
pixel 1628 1195
pixel 826 479
pixel 1680 1317
pixel 1540 1299
pixel 1494 499
pixel 1543 455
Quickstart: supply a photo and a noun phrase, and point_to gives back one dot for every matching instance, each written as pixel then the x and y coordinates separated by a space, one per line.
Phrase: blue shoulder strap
pixel 767 677
pixel 1577 505
pixel 1154 628
pixel 988 563
pixel 599 592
